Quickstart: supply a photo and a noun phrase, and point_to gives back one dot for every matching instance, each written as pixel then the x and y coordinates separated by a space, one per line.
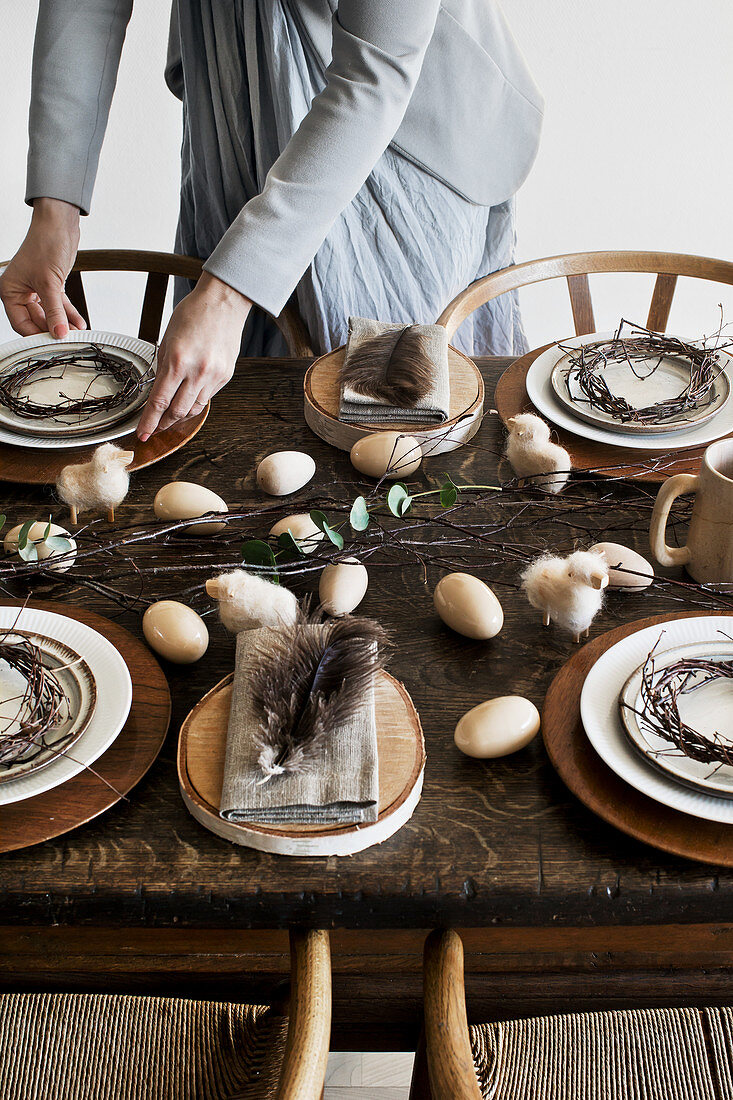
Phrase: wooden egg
pixel 285 472
pixel 497 727
pixel 36 532
pixel 342 586
pixel 301 527
pixel 374 453
pixel 617 554
pixel 186 500
pixel 175 631
pixel 468 606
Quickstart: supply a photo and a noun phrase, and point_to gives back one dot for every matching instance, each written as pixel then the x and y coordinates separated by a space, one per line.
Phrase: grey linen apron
pixel 400 251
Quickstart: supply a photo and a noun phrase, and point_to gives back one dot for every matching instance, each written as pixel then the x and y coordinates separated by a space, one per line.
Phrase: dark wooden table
pixel 562 908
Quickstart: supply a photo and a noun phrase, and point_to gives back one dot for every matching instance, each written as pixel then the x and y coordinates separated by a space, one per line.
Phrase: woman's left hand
pixel 197 355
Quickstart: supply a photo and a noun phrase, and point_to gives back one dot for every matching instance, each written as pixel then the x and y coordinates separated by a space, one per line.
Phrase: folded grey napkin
pixel 432 407
pixel 342 788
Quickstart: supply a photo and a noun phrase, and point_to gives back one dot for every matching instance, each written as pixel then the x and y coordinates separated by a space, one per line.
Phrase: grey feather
pixel 393 367
pixel 308 683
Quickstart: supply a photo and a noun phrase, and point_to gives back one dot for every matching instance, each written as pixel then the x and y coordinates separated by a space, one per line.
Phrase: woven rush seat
pixel 647 1054
pixel 85 1046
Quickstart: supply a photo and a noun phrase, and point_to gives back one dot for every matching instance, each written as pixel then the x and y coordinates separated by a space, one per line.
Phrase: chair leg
pixel 450 1059
pixel 309 1028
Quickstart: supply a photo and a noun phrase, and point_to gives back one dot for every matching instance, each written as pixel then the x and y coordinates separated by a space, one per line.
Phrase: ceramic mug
pixel 708 552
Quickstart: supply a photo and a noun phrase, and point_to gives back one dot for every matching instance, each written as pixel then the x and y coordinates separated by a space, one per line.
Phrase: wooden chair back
pixel 160 266
pixel 575 268
pixel 447 1043
pixel 309 1026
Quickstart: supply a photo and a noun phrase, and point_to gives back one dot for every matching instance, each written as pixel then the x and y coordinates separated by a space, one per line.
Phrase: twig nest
pixel 303 530
pixel 247 601
pixel 615 555
pixel 44 551
pixel 285 472
pixel 497 727
pixel 389 454
pixel 187 500
pixel 342 586
pixel 175 631
pixel 468 606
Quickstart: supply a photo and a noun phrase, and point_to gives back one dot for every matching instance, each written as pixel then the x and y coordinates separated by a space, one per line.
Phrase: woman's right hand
pixel 32 285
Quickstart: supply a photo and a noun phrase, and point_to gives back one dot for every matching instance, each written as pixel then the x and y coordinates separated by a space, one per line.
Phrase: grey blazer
pixel 443 83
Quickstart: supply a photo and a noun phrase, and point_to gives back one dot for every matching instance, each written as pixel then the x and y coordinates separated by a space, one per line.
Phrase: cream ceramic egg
pixel 186 500
pixel 175 631
pixel 373 454
pixel 285 472
pixel 497 727
pixel 615 553
pixel 468 606
pixel 35 533
pixel 303 530
pixel 342 586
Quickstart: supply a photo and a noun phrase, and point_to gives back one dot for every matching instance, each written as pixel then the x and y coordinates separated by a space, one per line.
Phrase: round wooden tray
pixel 599 788
pixel 38 467
pixel 321 404
pixel 511 399
pixel 401 747
pixel 123 764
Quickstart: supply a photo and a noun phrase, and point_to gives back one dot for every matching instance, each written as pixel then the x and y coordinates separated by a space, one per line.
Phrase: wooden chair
pixel 677 1054
pixel 88 1046
pixel 575 268
pixel 160 266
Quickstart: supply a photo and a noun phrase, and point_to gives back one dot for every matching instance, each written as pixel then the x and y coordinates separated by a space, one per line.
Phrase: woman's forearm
pixel 75 61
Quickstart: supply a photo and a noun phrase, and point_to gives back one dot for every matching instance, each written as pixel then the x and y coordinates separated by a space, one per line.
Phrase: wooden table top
pixel 494 842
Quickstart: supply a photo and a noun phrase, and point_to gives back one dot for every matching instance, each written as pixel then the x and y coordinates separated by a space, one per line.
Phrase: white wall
pixel 636 150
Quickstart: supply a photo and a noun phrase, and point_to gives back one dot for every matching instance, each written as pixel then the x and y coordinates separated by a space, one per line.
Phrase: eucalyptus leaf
pixel 397 494
pixel 319 519
pixel 23 535
pixel 2 520
pixel 58 544
pixel 448 492
pixel 259 553
pixel 28 551
pixel 335 536
pixel 287 542
pixel 322 523
pixel 47 532
pixel 359 515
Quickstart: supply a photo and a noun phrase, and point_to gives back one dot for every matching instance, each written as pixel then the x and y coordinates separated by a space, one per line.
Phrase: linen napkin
pixel 342 788
pixel 432 408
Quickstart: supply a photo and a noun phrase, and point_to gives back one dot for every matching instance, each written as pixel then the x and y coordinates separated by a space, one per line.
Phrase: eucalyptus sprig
pixel 28 547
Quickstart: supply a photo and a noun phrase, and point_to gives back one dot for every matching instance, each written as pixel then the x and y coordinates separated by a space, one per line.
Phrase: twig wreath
pixel 100 363
pixel 660 694
pixel 41 708
pixel 641 345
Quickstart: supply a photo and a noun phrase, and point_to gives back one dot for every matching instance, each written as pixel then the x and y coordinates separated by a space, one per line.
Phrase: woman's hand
pixel 32 285
pixel 197 355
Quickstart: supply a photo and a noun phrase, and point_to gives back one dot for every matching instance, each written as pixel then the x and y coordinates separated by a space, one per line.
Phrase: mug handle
pixel 671 489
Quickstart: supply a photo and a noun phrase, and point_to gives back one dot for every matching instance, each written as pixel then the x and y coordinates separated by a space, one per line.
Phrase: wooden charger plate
pixel 511 399
pixel 598 787
pixel 123 764
pixel 37 467
pixel 401 748
pixel 321 404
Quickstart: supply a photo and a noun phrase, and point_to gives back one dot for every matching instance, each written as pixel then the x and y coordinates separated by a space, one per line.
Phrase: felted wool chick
pixel 533 455
pixel 100 484
pixel 568 591
pixel 247 601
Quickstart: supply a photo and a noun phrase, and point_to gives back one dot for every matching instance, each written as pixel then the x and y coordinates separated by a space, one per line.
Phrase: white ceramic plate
pixel 138 350
pixel 542 396
pixel 652 381
pixel 77 682
pixel 113 700
pixel 600 714
pixel 709 710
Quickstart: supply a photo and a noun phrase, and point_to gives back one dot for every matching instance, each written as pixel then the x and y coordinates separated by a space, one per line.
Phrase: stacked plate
pixel 555 394
pixel 98 695
pixel 60 384
pixel 611 701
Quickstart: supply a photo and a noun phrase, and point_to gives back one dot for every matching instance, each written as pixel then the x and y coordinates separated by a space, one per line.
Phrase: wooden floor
pixel 368 1076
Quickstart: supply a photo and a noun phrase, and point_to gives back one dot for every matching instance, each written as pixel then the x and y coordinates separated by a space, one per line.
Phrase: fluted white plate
pixel 599 711
pixel 542 396
pixel 114 698
pixel 138 349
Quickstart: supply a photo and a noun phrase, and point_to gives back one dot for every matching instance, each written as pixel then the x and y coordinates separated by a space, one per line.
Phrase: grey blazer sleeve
pixel 75 61
pixel 378 50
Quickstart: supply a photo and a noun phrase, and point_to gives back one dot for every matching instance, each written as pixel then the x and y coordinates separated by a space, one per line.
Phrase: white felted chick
pixel 532 454
pixel 568 591
pixel 101 484
pixel 247 601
